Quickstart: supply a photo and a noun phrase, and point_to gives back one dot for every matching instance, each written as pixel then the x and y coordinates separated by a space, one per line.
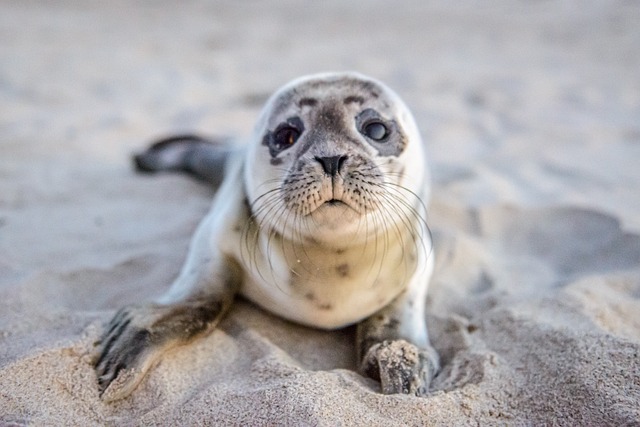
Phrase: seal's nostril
pixel 332 164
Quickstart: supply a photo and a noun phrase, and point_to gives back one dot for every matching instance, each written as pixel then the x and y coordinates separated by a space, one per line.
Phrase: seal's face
pixel 336 156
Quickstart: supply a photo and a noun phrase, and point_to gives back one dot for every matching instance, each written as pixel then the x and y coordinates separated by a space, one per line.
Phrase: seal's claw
pixel 401 367
pixel 127 351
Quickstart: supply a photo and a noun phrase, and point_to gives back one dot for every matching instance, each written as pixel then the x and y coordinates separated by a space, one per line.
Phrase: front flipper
pixel 401 367
pixel 393 347
pixel 201 294
pixel 138 335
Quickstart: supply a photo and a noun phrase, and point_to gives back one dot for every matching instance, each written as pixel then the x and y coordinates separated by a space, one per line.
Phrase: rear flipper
pixel 203 158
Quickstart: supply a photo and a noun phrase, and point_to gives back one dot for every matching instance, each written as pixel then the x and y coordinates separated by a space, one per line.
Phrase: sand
pixel 531 113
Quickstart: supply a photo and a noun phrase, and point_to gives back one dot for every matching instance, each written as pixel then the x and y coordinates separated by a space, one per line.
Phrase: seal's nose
pixel 332 164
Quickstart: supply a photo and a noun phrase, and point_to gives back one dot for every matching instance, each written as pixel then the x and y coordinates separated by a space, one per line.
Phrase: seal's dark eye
pixel 285 137
pixel 375 130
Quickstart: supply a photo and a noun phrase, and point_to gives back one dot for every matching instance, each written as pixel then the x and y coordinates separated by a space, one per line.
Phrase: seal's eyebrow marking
pixel 354 99
pixel 311 102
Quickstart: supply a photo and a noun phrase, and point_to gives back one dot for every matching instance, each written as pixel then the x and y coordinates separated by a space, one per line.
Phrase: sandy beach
pixel 531 116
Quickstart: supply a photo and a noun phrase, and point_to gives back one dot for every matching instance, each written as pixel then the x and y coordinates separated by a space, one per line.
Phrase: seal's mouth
pixel 336 203
pixel 335 207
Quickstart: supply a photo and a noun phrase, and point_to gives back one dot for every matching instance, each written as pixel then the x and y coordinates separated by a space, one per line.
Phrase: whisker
pixel 422 225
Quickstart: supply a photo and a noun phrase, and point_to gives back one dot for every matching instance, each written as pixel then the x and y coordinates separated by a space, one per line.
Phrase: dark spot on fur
pixel 310 296
pixel 343 270
pixel 275 161
pixel 392 323
pixel 340 251
pixel 354 99
pixel 311 102
pixel 311 240
pixel 471 328
pixel 324 307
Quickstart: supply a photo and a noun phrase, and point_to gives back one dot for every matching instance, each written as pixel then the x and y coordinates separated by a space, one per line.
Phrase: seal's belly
pixel 326 307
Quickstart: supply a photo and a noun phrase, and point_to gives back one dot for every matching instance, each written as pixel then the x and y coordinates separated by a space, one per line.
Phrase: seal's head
pixel 335 157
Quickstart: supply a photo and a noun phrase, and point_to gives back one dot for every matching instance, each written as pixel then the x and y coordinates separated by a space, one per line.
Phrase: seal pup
pixel 320 219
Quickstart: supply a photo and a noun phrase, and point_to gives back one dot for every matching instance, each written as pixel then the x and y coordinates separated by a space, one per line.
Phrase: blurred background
pixel 518 101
